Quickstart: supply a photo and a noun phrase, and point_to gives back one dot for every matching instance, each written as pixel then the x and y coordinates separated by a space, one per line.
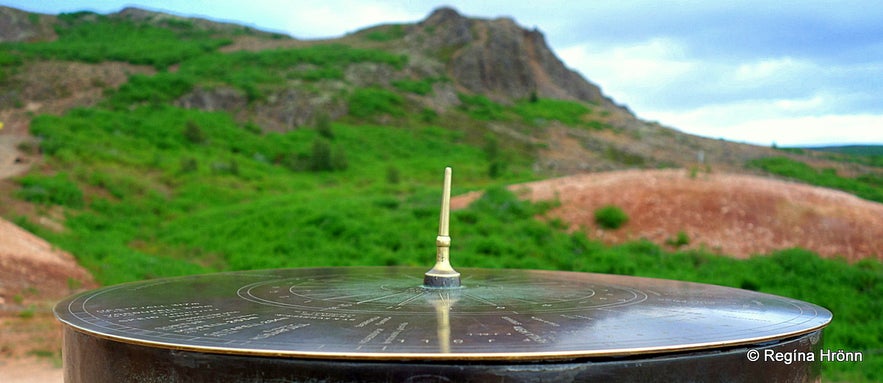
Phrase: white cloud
pixel 781 122
pixel 650 63
pixel 780 100
pixel 811 130
pixel 807 105
pixel 768 68
pixel 332 19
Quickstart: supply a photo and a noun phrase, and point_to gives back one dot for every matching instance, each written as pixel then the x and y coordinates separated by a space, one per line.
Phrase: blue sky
pixel 785 72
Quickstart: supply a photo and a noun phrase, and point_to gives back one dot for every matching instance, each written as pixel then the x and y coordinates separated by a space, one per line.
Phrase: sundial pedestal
pixel 382 324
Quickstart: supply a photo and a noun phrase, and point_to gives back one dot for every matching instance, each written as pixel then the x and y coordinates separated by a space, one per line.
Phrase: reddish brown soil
pixel 33 276
pixel 738 215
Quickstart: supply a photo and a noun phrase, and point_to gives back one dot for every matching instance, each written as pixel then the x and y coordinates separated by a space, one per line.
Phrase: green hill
pixel 225 148
pixel 863 150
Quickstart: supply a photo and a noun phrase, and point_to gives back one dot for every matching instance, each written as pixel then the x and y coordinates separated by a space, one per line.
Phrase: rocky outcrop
pixel 214 99
pixel 501 59
pixel 292 108
pixel 281 111
pixel 20 26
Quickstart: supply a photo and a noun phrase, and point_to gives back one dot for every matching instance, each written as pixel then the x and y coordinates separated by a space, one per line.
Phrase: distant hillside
pixel 862 150
pixel 492 79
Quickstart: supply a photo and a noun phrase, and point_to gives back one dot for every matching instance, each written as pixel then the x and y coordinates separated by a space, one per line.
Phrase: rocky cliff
pixel 501 59
pixel 17 25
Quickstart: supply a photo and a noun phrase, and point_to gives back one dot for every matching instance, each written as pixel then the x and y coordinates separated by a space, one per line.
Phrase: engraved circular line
pixel 247 292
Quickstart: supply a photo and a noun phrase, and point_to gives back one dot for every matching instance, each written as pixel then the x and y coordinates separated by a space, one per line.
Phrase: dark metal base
pixel 90 359
pixel 441 282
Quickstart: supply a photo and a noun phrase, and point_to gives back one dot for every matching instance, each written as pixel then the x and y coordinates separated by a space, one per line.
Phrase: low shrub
pixel 56 190
pixel 368 102
pixel 611 217
pixel 566 112
pixel 679 240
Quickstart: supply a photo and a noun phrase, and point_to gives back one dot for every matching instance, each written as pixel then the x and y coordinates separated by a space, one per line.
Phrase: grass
pixel 421 87
pixel 544 109
pixel 610 217
pixel 9 62
pixel 859 150
pixel 57 189
pixel 386 33
pixel 27 313
pixel 250 71
pixel 480 107
pixel 158 89
pixel 869 186
pixel 150 173
pixel 106 39
pixel 532 112
pixel 369 102
pixel 871 155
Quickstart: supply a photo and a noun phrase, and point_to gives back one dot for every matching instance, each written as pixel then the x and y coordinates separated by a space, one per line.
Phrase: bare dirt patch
pixel 738 215
pixel 30 371
pixel 33 276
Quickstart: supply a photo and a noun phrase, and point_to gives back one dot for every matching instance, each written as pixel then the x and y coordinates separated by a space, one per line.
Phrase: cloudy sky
pixel 785 72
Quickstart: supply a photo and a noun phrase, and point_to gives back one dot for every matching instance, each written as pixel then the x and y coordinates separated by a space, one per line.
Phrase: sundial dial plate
pixel 385 313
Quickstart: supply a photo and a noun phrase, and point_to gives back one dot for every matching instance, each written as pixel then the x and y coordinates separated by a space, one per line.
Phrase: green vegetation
pixel 150 190
pixel 8 63
pixel 421 87
pixel 623 156
pixel 871 155
pixel 533 112
pixel 106 39
pixel 256 72
pixel 858 150
pixel 679 240
pixel 153 90
pixel 56 190
pixel 27 313
pixel 253 73
pixel 480 107
pixel 368 102
pixel 542 110
pixel 386 33
pixel 610 217
pixel 869 187
pixel 159 166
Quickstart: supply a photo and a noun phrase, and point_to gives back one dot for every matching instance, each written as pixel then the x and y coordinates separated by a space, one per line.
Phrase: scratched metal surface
pixel 384 313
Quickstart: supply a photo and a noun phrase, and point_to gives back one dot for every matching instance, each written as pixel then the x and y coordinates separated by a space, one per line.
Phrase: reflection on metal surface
pixel 442 301
pixel 385 313
pixel 442 275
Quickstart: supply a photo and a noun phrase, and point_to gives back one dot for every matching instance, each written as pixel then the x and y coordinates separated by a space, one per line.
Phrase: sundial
pixel 404 317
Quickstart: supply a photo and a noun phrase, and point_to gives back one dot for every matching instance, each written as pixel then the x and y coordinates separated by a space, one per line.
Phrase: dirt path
pixel 13 161
pixel 14 134
pixel 733 214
